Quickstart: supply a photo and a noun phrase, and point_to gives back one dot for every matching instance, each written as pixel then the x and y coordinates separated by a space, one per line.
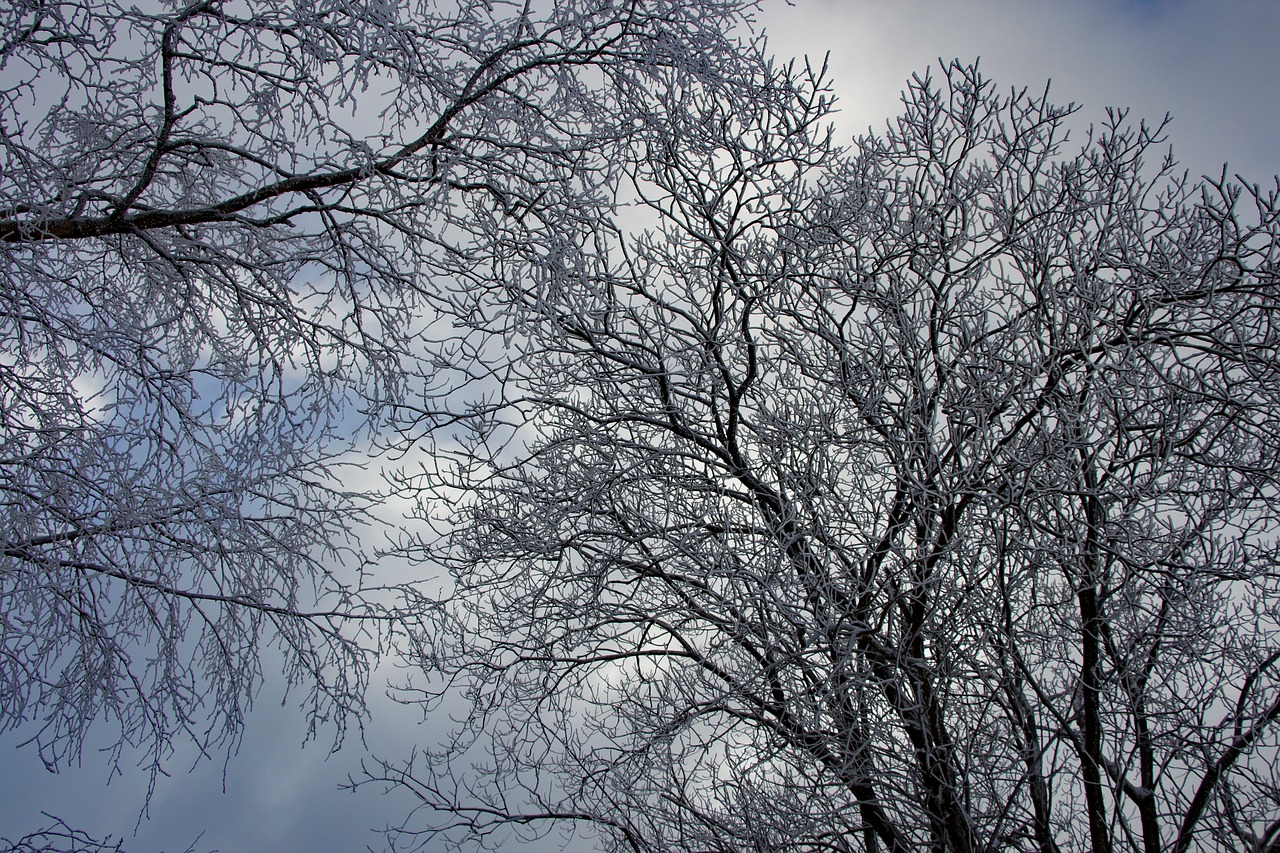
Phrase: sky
pixel 1211 64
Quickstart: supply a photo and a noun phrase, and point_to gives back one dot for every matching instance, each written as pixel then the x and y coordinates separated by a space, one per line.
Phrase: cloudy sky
pixel 1211 64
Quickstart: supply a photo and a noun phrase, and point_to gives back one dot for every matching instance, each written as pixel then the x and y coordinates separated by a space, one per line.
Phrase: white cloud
pixel 1211 65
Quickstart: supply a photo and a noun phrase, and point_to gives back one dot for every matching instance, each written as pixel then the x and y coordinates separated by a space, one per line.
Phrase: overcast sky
pixel 1212 64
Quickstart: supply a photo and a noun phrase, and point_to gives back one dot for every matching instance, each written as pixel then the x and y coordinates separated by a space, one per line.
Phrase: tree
pixel 916 497
pixel 221 220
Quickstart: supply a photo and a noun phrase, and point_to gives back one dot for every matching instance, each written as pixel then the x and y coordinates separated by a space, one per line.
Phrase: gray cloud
pixel 1211 65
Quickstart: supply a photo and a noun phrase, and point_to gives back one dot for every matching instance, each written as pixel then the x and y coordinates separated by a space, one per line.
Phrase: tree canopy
pixel 915 496
pixel 222 229
pixel 771 494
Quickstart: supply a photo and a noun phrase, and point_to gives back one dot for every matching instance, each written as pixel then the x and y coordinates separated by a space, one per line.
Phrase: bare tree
pixel 58 837
pixel 916 497
pixel 220 226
